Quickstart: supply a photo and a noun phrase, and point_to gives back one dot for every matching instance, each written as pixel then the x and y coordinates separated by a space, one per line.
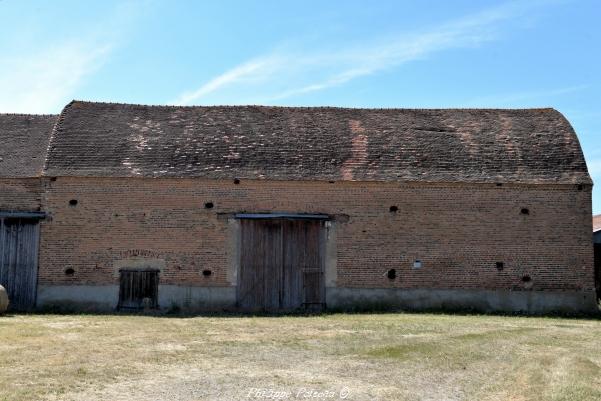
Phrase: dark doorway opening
pixel 19 242
pixel 281 265
pixel 138 289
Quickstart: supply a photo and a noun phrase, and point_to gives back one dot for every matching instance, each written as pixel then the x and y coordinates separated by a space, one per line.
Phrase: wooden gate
pixel 137 285
pixel 281 265
pixel 19 241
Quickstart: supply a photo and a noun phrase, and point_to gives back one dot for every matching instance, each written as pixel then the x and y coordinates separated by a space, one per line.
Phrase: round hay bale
pixel 3 300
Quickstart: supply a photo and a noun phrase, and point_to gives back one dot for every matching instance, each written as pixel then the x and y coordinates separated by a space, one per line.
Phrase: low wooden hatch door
pixel 138 289
pixel 281 265
pixel 19 242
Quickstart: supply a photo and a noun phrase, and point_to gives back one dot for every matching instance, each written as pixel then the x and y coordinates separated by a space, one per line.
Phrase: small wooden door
pixel 137 285
pixel 19 241
pixel 281 265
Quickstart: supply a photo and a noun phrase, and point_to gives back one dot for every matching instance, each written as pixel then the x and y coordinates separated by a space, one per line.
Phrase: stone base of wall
pixel 78 297
pixel 532 302
pixel 198 299
pixel 105 298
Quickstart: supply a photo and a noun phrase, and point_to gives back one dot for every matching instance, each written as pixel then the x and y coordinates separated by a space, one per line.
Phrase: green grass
pixel 373 356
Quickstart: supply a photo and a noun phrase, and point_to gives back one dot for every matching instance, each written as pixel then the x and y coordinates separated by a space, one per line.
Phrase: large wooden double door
pixel 19 240
pixel 281 265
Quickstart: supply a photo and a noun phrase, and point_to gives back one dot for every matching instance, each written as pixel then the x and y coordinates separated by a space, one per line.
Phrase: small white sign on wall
pixel 417 264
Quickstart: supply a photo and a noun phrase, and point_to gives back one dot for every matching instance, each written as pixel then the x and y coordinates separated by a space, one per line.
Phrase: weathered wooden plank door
pixel 19 242
pixel 260 265
pixel 281 264
pixel 135 286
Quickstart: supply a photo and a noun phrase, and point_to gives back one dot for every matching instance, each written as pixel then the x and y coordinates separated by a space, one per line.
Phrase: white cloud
pixel 47 73
pixel 43 82
pixel 284 74
pixel 255 70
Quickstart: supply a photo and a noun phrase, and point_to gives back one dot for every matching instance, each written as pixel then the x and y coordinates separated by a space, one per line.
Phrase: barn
pixel 278 209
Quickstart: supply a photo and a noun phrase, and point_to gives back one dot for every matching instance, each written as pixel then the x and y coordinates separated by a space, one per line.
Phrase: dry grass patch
pixel 379 356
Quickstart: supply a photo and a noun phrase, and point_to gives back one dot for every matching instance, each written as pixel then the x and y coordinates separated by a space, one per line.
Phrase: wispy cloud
pixel 47 73
pixel 253 70
pixel 285 73
pixel 41 83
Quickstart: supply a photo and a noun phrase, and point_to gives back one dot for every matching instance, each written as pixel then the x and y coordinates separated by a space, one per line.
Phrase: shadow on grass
pixel 372 309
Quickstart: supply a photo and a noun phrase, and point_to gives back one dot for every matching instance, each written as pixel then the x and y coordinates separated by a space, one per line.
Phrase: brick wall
pixel 458 231
pixel 20 194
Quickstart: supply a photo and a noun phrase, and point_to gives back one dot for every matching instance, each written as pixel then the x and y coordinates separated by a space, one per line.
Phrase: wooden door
pixel 281 265
pixel 19 241
pixel 137 285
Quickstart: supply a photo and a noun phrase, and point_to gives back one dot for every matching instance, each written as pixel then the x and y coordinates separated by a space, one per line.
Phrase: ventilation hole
pixel 69 272
pixel 52 179
pixel 393 209
pixel 209 205
pixel 525 211
pixel 499 184
pixel 391 274
pixel 580 187
pixel 331 182
pixel 526 278
pixel 73 202
pixel 499 265
pixel 206 273
pixel 236 181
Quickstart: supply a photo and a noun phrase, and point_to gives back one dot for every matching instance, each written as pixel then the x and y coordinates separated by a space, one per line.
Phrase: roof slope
pixel 24 143
pixel 316 143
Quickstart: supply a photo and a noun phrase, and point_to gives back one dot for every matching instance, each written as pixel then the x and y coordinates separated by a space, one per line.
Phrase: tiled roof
pixel 316 143
pixel 23 144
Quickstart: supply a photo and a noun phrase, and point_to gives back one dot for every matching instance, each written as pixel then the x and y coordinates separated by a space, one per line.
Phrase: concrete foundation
pixel 532 302
pixel 197 298
pixel 105 298
pixel 78 297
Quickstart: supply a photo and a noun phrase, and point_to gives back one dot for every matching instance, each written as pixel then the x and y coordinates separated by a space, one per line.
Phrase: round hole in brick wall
pixel 525 211
pixel 580 187
pixel 391 274
pixel 499 184
pixel 73 202
pixel 236 181
pixel 69 272
pixel 526 278
pixel 209 205
pixel 499 265
pixel 393 209
pixel 206 273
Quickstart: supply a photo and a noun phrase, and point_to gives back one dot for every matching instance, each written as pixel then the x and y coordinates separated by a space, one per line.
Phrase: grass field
pixel 353 357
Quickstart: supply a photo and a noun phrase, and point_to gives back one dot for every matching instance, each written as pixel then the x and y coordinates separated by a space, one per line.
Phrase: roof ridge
pixel 28 115
pixel 225 106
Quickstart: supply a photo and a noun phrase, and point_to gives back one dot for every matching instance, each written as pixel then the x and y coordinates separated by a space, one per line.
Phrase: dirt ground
pixel 327 357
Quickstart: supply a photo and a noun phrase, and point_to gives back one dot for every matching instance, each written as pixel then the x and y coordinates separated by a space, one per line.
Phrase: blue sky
pixel 340 53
